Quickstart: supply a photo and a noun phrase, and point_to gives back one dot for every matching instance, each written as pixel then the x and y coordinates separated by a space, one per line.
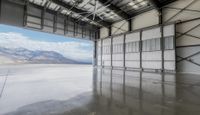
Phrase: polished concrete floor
pixel 80 90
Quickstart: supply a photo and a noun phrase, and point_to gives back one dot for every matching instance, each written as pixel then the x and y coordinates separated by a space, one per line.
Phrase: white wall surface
pixel 151 33
pixel 123 25
pixel 149 18
pixel 131 37
pixel 103 32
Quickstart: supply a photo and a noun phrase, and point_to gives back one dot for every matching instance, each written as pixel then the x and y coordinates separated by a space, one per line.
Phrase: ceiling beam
pixel 82 23
pixel 159 4
pixel 81 12
pixel 115 9
pixel 166 3
pixel 143 10
pixel 155 4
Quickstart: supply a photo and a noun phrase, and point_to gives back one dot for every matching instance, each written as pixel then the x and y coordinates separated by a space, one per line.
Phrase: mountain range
pixel 22 55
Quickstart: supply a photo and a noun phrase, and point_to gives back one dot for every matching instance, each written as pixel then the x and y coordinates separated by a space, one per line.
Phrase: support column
pixel 111 51
pixel 124 52
pixel 101 52
pixel 111 45
pixel 130 25
pixel 175 26
pixel 55 23
pixel 109 30
pixel 75 28
pixel 140 42
pixel 65 25
pixel 25 13
pixel 95 53
pixel 42 18
pixel 0 10
pixel 162 41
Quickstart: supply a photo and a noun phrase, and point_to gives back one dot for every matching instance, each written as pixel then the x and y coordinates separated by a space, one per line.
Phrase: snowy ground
pixel 4 60
pixel 27 84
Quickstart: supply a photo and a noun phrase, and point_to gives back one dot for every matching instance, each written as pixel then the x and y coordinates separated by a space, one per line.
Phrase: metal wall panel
pixel 151 57
pixel 169 30
pixel 99 55
pixel 132 59
pixel 146 19
pixel 106 56
pixel 11 13
pixel 117 49
pixel 170 62
pixel 188 60
pixel 147 55
pixel 169 52
pixel 151 60
pixel 151 33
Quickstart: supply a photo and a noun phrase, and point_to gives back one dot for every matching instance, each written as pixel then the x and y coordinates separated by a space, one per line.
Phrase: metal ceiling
pixel 100 12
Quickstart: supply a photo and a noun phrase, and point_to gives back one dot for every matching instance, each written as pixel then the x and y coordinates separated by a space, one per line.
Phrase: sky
pixel 76 49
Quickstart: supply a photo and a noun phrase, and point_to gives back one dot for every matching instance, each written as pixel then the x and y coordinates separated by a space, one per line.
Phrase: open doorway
pixel 20 46
pixel 38 67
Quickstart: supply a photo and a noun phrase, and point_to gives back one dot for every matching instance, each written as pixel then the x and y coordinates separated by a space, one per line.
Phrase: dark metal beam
pixel 0 10
pixel 109 30
pixel 130 25
pixel 191 10
pixel 47 10
pixel 115 9
pixel 43 15
pixel 155 4
pixel 159 4
pixel 81 12
pixel 65 24
pixel 162 4
pixel 142 11
pixel 55 23
pixel 25 13
pixel 162 41
pixel 188 31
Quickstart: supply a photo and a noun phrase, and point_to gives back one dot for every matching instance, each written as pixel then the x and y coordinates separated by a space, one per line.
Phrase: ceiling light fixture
pixel 143 3
pixel 135 6
pixel 139 0
pixel 131 3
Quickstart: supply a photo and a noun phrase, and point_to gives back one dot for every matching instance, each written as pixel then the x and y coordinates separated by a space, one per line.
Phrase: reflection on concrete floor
pixel 119 92
pixel 141 93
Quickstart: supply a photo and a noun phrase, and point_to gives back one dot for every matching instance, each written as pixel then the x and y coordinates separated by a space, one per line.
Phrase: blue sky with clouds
pixel 77 49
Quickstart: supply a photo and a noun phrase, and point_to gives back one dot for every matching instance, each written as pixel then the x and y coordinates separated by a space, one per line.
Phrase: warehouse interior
pixel 146 52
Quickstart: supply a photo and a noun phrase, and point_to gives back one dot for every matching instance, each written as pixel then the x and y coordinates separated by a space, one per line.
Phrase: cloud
pixel 79 51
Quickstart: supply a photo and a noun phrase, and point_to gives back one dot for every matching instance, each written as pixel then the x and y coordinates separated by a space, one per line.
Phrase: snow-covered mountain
pixel 22 55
